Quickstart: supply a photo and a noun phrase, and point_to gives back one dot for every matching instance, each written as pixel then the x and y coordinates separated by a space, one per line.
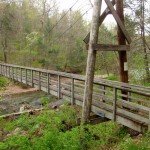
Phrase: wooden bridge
pixel 108 100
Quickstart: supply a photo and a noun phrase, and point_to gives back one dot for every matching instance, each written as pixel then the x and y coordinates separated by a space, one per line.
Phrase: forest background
pixel 36 33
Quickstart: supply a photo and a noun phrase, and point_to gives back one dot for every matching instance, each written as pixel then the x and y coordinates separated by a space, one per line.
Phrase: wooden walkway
pixel 107 98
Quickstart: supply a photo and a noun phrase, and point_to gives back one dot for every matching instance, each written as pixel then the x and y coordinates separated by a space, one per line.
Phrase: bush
pixel 58 130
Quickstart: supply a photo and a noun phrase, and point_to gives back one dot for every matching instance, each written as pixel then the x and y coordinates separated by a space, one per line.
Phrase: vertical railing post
pixel 129 96
pixel 16 73
pixel 103 93
pixel 48 80
pixel 115 105
pixel 59 87
pixel 149 122
pixel 0 69
pixel 21 74
pixel 72 92
pixel 13 73
pixel 39 80
pixel 6 70
pixel 26 78
pixel 3 69
pixel 9 72
pixel 32 78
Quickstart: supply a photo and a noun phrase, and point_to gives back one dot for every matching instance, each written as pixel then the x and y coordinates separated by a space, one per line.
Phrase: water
pixel 35 100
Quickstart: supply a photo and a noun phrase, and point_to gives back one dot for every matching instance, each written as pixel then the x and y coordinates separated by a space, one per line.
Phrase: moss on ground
pixel 59 130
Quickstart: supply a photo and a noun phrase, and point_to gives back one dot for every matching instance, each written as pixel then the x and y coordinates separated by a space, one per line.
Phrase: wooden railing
pixel 108 100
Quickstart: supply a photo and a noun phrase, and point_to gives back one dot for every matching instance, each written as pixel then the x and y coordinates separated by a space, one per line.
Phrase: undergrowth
pixel 3 82
pixel 59 130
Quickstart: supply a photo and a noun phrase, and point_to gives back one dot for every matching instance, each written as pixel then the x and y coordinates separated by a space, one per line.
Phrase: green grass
pixel 3 82
pixel 112 77
pixel 58 130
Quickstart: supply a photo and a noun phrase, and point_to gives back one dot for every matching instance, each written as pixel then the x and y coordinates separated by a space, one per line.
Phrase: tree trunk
pixel 144 41
pixel 87 101
pixel 4 45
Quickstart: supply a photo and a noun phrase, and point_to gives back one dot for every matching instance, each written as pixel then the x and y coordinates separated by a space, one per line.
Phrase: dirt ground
pixel 16 89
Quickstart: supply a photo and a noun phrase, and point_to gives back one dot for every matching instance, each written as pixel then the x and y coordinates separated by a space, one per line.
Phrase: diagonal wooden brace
pixel 101 19
pixel 118 20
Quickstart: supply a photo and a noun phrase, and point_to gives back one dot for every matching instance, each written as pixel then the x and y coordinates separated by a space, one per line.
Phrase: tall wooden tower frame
pixel 93 47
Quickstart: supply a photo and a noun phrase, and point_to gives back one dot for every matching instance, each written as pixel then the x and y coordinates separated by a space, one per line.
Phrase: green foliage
pixel 112 77
pixel 129 144
pixel 58 130
pixel 3 82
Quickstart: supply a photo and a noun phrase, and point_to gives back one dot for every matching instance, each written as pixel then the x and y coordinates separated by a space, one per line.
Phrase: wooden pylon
pixel 87 101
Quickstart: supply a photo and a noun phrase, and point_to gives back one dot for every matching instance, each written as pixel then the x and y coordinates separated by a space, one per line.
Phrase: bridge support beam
pixel 87 100
pixel 122 41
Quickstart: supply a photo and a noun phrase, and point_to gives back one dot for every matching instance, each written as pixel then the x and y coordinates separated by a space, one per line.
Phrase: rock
pixel 139 136
pixel 16 131
pixel 22 108
pixel 54 107
pixel 57 104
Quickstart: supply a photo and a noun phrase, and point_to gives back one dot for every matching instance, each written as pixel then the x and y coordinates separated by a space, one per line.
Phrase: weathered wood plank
pixel 115 104
pixel 109 47
pixel 59 88
pixel 48 84
pixel 72 92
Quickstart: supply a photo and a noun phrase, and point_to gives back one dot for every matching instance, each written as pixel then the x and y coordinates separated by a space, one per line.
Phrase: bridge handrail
pixel 142 90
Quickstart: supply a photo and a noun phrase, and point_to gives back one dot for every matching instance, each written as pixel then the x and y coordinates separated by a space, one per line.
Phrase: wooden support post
pixel 32 84
pixel 122 41
pixel 72 92
pixel 87 100
pixel 39 80
pixel 114 105
pixel 48 80
pixel 59 87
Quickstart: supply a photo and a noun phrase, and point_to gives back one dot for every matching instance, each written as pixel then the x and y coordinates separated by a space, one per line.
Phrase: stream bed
pixel 32 100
